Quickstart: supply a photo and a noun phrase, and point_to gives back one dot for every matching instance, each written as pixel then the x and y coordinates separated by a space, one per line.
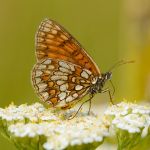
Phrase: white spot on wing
pixel 48 25
pixel 75 95
pixel 64 64
pixel 62 95
pixel 89 72
pixel 65 70
pixel 69 99
pixel 60 82
pixel 45 95
pixel 84 75
pixel 38 73
pixel 56 77
pixel 42 86
pixel 83 81
pixel 42 66
pixel 64 87
pixel 45 29
pixel 78 87
pixel 72 67
pixel 48 21
pixel 48 61
pixel 61 103
pixel 37 80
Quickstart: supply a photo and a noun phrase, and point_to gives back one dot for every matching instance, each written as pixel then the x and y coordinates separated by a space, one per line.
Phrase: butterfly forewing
pixel 64 71
pixel 53 41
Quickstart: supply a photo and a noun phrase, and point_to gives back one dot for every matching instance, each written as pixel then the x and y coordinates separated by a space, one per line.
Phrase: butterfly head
pixel 97 87
pixel 106 76
pixel 103 79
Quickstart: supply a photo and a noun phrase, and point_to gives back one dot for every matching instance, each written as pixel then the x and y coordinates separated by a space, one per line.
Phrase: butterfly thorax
pixel 97 87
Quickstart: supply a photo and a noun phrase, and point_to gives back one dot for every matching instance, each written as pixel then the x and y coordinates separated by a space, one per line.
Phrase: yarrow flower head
pixel 49 130
pixel 129 121
pixel 24 112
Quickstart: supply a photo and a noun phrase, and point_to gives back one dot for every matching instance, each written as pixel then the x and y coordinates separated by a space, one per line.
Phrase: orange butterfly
pixel 64 72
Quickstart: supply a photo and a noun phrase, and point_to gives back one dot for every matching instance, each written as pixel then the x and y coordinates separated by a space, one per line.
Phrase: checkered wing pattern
pixel 60 83
pixel 64 71
pixel 53 41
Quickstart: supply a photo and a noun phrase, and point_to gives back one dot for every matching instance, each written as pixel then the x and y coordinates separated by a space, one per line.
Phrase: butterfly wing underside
pixel 64 71
pixel 53 41
pixel 60 83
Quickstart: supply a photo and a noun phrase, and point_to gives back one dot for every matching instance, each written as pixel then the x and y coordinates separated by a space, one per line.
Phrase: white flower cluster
pixel 47 129
pixel 61 134
pixel 58 133
pixel 32 113
pixel 130 117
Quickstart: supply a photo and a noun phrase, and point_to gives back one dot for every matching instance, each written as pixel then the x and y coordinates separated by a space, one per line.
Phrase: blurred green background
pixel 108 30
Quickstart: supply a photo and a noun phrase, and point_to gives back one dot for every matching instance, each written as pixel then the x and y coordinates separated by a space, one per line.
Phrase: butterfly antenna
pixel 120 63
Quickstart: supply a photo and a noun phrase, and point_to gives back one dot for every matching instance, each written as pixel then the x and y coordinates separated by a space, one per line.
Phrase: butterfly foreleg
pixel 110 96
pixel 89 100
pixel 90 104
pixel 113 87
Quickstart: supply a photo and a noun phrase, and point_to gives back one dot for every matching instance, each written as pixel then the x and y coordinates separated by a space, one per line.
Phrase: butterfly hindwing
pixel 60 82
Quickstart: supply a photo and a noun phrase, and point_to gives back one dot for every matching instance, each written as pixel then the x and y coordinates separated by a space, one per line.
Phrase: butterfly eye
pixel 108 75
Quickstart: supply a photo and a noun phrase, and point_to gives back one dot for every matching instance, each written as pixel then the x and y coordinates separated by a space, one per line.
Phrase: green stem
pixel 126 141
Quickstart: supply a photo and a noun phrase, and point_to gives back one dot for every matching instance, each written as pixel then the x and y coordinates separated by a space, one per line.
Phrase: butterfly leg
pixel 89 107
pixel 90 103
pixel 89 100
pixel 110 96
pixel 112 87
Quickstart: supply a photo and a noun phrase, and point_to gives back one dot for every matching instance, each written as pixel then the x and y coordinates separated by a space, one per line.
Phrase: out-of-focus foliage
pixel 135 44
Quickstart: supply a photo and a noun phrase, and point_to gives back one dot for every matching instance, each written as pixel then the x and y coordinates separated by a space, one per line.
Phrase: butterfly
pixel 64 72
